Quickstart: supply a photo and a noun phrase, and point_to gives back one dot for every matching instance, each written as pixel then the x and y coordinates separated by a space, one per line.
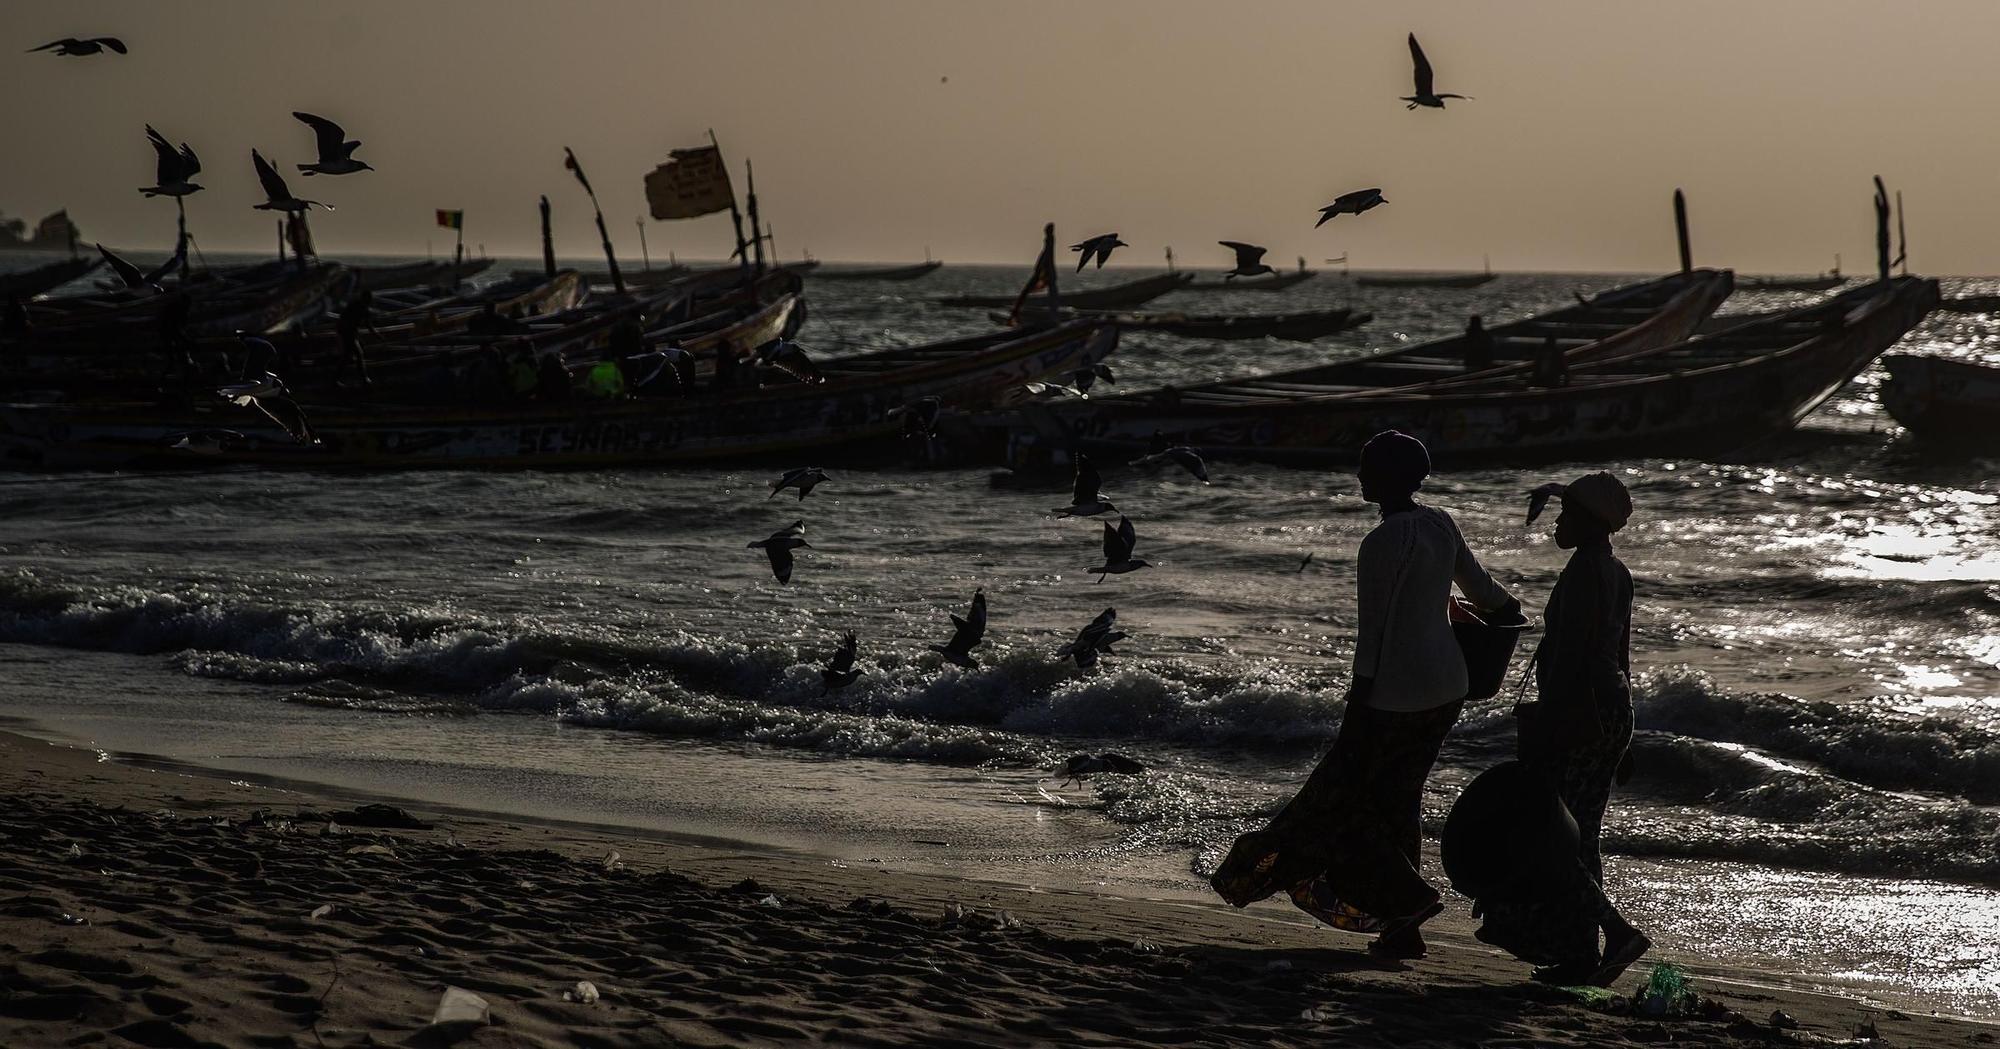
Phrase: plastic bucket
pixel 1488 649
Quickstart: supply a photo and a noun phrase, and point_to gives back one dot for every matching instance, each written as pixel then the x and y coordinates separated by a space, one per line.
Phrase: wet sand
pixel 168 909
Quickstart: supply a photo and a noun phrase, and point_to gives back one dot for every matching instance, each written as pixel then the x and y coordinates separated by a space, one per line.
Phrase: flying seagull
pixel 1538 500
pixel 1350 204
pixel 1099 246
pixel 130 276
pixel 1118 542
pixel 176 167
pixel 1084 498
pixel 1249 260
pixel 839 671
pixel 779 548
pixel 1164 451
pixel 268 394
pixel 70 45
pixel 1084 378
pixel 966 634
pixel 1039 388
pixel 803 479
pixel 1093 640
pixel 336 152
pixel 1425 96
pixel 278 196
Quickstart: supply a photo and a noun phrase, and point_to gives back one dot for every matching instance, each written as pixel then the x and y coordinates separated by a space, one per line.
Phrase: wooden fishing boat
pixel 425 274
pixel 1304 326
pixel 1706 395
pixel 1115 297
pixel 911 272
pixel 1943 400
pixel 1269 282
pixel 1425 280
pixel 851 407
pixel 1823 282
pixel 26 284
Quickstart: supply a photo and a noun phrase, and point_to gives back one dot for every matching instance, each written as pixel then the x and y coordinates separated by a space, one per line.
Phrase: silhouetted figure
pixel 174 341
pixel 14 322
pixel 1577 731
pixel 552 378
pixel 1249 260
pixel 1425 96
pixel 1478 346
pixel 1348 847
pixel 1511 845
pixel 1551 366
pixel 336 153
pixel 356 315
pixel 628 338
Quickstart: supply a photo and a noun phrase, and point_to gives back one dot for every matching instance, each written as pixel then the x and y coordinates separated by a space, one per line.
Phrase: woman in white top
pixel 1347 848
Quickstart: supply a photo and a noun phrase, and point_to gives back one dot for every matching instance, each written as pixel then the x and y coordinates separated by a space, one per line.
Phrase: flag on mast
pixel 453 219
pixel 692 183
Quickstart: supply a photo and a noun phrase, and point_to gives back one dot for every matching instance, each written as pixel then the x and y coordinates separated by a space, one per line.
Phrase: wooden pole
pixel 756 238
pixel 1881 230
pixel 1902 241
pixel 1170 258
pixel 603 233
pixel 281 240
pixel 180 242
pixel 458 251
pixel 548 243
pixel 1049 253
pixel 735 216
pixel 1681 231
pixel 645 259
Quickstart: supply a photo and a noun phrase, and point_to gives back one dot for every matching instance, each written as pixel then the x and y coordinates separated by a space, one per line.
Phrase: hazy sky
pixel 1171 123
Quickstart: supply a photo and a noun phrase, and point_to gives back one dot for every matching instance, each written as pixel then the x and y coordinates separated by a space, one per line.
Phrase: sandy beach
pixel 165 908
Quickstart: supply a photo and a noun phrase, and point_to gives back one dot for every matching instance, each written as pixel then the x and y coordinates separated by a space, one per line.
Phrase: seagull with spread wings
pixel 1425 95
pixel 966 633
pixel 70 45
pixel 1085 501
pixel 1351 204
pixel 174 170
pixel 336 151
pixel 1099 247
pixel 1249 260
pixel 278 196
pixel 779 546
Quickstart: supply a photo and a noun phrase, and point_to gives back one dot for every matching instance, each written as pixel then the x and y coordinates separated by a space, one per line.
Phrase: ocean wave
pixel 1865 744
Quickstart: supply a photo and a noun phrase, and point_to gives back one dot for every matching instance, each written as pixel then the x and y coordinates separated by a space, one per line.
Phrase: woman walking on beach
pixel 1576 734
pixel 1348 847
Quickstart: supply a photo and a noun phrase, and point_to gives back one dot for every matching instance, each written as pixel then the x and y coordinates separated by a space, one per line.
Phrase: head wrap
pixel 1600 495
pixel 1397 456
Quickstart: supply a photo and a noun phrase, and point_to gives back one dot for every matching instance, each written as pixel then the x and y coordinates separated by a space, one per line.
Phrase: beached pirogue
pixel 1951 402
pixel 1634 383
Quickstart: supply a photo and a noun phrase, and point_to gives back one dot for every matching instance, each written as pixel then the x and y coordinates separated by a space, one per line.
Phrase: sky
pixel 880 128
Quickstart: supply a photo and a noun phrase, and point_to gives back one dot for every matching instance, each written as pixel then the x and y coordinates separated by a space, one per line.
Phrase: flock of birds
pixel 177 166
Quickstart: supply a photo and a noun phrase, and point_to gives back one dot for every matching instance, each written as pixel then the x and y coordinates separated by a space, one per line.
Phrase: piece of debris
pixel 613 862
pixel 584 991
pixel 320 911
pixel 459 1007
pixel 371 850
pixel 1783 1020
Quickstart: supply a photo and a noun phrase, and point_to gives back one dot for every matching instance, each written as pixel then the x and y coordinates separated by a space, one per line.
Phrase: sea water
pixel 1816 640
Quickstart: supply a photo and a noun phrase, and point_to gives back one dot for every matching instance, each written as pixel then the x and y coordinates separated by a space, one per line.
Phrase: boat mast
pixel 1681 230
pixel 735 216
pixel 548 243
pixel 603 234
pixel 645 259
pixel 756 238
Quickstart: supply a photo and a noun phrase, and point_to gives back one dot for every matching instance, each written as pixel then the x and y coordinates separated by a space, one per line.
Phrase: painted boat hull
pixel 1944 401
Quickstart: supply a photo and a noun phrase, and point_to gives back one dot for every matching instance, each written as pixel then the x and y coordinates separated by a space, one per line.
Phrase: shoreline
pixel 1082 942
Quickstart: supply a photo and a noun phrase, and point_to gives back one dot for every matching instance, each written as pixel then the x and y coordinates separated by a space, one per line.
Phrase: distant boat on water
pixel 1115 297
pixel 911 272
pixel 1823 282
pixel 1428 280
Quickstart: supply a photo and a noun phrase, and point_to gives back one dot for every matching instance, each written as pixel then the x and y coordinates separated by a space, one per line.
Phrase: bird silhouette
pixel 1164 451
pixel 1249 260
pixel 267 394
pixel 1093 640
pixel 175 168
pixel 804 479
pixel 839 671
pixel 336 153
pixel 130 276
pixel 1118 542
pixel 779 546
pixel 966 634
pixel 1099 246
pixel 1351 204
pixel 1538 500
pixel 278 196
pixel 70 45
pixel 202 442
pixel 1084 498
pixel 1086 377
pixel 789 357
pixel 1425 96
